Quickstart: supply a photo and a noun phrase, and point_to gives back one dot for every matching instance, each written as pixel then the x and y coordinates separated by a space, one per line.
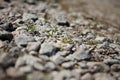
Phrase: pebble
pixel 103 76
pixel 38 66
pixel 81 54
pixel 26 69
pixel 22 40
pixel 87 76
pixel 35 76
pixel 14 73
pixel 68 65
pixel 47 49
pixel 111 61
pixel 33 46
pixel 8 27
pixel 28 16
pixel 50 65
pixel 61 19
pixel 57 59
pixel 115 67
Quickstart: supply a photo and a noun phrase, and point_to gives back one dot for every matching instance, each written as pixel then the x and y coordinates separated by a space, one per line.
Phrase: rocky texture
pixel 58 40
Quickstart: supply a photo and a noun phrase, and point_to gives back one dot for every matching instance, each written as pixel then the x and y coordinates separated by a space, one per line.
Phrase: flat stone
pixel 33 46
pixel 103 76
pixel 22 40
pixel 87 76
pixel 47 49
pixel 14 73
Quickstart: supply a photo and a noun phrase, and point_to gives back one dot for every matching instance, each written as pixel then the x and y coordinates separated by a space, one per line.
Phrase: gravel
pixel 56 40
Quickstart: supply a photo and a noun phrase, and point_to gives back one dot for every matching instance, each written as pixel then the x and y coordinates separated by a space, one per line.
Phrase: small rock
pixel 12 72
pixel 83 65
pixel 22 40
pixel 6 36
pixel 38 66
pixel 8 27
pixel 103 76
pixel 47 49
pixel 111 61
pixel 57 59
pixel 35 76
pixel 81 54
pixel 26 69
pixel 115 67
pixel 7 60
pixel 87 76
pixel 68 64
pixel 50 66
pixel 28 16
pixel 61 19
pixel 30 1
pixel 33 46
pixel 2 74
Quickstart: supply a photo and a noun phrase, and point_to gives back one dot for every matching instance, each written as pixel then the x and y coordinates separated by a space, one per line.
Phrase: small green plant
pixel 31 27
pixel 52 31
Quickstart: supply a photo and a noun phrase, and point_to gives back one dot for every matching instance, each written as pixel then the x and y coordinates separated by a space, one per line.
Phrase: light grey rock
pixel 26 69
pixel 68 64
pixel 8 27
pixel 83 65
pixel 20 62
pixel 61 19
pixel 87 76
pixel 33 46
pixel 28 16
pixel 103 45
pixel 103 76
pixel 98 67
pixel 41 7
pixel 111 61
pixel 81 54
pixel 47 49
pixel 50 65
pixel 14 73
pixel 30 1
pixel 23 39
pixel 35 76
pixel 115 67
pixel 38 66
pixel 57 59
pixel 115 46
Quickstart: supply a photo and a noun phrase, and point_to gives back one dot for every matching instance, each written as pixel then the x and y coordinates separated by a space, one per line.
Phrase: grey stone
pixel 38 66
pixel 103 76
pixel 61 19
pixel 28 16
pixel 111 61
pixel 81 54
pixel 68 64
pixel 22 39
pixel 83 65
pixel 30 1
pixel 20 62
pixel 8 27
pixel 47 49
pixel 87 76
pixel 33 46
pixel 57 59
pixel 50 65
pixel 14 73
pixel 115 67
pixel 26 69
pixel 35 76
